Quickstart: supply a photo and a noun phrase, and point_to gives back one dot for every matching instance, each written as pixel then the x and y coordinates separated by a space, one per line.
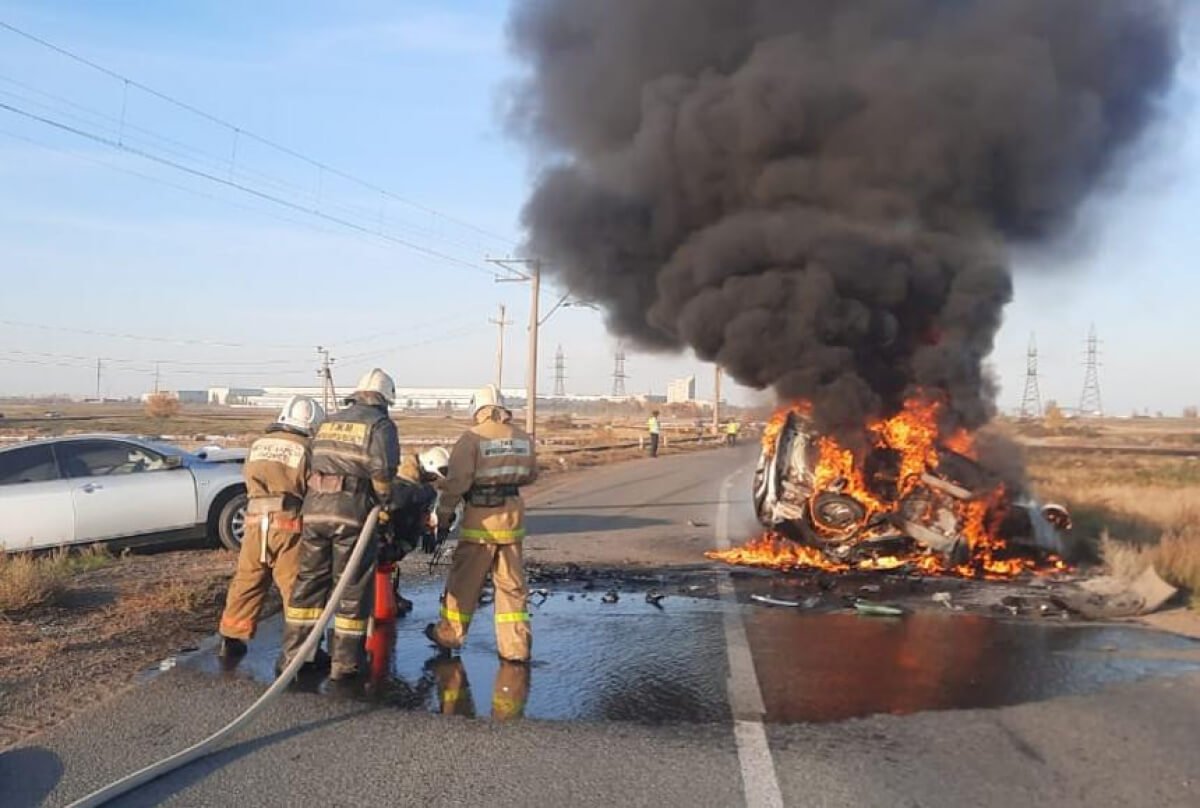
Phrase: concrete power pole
pixel 717 401
pixel 98 366
pixel 531 271
pixel 501 323
pixel 535 285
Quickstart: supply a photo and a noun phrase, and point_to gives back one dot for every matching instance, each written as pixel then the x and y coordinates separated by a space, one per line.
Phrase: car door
pixel 123 489
pixel 35 503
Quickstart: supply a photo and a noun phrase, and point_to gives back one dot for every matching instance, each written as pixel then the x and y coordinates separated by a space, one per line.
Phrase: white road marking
pixel 759 782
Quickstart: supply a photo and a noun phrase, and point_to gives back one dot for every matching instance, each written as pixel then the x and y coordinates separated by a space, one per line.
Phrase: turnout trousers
pixel 257 564
pixel 325 547
pixel 469 569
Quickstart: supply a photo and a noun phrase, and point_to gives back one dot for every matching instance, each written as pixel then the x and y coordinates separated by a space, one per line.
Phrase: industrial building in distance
pixel 407 398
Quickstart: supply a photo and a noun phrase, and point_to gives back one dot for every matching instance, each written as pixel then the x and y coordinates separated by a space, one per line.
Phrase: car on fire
pixel 945 509
pixel 81 489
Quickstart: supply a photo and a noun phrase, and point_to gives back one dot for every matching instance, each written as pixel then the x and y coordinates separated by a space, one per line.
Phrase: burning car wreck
pixel 911 498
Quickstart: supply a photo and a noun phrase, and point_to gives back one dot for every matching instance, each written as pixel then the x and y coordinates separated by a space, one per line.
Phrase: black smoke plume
pixel 817 194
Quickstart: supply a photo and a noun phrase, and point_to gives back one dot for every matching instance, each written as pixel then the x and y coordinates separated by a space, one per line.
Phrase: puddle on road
pixel 631 661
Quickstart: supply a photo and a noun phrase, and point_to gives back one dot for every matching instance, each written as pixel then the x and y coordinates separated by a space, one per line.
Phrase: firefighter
pixel 654 429
pixel 488 465
pixel 276 473
pixel 355 456
pixel 413 508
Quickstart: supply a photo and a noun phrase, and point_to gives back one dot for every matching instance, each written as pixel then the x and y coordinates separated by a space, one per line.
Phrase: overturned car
pixel 906 498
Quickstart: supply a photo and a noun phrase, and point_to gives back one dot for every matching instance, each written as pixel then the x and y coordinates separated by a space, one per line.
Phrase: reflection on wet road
pixel 632 661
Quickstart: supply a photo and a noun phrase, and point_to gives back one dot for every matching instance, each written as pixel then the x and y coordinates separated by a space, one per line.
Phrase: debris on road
pixel 872 609
pixel 1110 598
pixel 770 601
pixel 946 600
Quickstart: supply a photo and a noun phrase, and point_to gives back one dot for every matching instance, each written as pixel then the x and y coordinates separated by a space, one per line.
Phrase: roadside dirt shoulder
pixel 109 624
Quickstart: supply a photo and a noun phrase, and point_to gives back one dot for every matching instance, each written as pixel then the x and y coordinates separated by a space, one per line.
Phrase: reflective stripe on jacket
pixel 492 453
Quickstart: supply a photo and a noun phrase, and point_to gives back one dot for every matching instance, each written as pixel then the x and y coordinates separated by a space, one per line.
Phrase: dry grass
pixel 1130 512
pixel 29 579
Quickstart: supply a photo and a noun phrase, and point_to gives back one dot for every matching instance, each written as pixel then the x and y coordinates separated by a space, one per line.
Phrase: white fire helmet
pixel 376 381
pixel 302 414
pixel 486 396
pixel 435 462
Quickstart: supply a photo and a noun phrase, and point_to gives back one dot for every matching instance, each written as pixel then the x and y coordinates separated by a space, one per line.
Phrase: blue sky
pixel 96 242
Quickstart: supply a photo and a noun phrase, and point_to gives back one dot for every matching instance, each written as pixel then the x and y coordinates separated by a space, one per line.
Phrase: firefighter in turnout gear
pixel 355 456
pixel 488 465
pixel 411 520
pixel 276 473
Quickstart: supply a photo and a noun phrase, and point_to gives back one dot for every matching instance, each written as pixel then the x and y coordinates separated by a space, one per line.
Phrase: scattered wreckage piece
pixel 1110 598
pixel 872 609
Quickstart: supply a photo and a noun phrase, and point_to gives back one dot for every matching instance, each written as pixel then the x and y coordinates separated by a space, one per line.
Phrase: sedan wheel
pixel 231 523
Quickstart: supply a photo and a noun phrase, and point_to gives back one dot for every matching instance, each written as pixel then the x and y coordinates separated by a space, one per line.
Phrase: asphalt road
pixel 1129 744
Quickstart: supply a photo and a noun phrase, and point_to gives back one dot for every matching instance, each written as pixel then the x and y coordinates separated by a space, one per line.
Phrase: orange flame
pixel 914 436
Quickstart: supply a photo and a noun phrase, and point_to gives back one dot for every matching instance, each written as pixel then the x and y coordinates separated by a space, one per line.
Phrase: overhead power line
pixel 145 338
pixel 240 133
pixel 244 188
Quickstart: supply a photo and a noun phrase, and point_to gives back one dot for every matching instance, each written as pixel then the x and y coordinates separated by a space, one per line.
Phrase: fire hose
pixel 209 744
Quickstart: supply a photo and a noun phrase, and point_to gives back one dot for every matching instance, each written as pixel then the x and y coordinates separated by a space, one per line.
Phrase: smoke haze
pixel 817 194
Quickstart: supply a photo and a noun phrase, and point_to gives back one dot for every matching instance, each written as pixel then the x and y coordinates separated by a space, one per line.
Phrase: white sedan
pixel 89 488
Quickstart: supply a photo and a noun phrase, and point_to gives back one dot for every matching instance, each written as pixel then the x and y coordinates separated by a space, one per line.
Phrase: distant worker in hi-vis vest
pixel 654 428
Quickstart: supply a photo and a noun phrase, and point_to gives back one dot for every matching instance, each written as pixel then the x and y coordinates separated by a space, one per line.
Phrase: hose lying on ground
pixel 209 744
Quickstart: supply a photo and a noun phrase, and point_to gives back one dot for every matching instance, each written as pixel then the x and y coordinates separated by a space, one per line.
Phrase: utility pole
pixel 1031 401
pixel 531 271
pixel 717 401
pixel 501 323
pixel 1089 400
pixel 98 366
pixel 157 375
pixel 619 376
pixel 325 373
pixel 560 374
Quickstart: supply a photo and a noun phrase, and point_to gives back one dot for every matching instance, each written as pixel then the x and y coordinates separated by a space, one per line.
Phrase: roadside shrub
pixel 29 579
pixel 162 406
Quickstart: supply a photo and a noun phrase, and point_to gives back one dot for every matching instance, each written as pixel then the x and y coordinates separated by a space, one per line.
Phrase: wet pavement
pixel 633 661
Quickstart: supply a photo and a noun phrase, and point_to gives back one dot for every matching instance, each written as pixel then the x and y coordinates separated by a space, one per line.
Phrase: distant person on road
pixel 654 429
pixel 731 433
pixel 355 456
pixel 488 466
pixel 276 473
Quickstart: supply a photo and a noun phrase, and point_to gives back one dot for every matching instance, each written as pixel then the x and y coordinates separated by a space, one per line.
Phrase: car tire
pixel 231 522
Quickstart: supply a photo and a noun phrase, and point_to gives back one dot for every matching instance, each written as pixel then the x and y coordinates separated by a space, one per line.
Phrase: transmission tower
pixel 325 374
pixel 1089 401
pixel 619 377
pixel 560 374
pixel 1031 402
